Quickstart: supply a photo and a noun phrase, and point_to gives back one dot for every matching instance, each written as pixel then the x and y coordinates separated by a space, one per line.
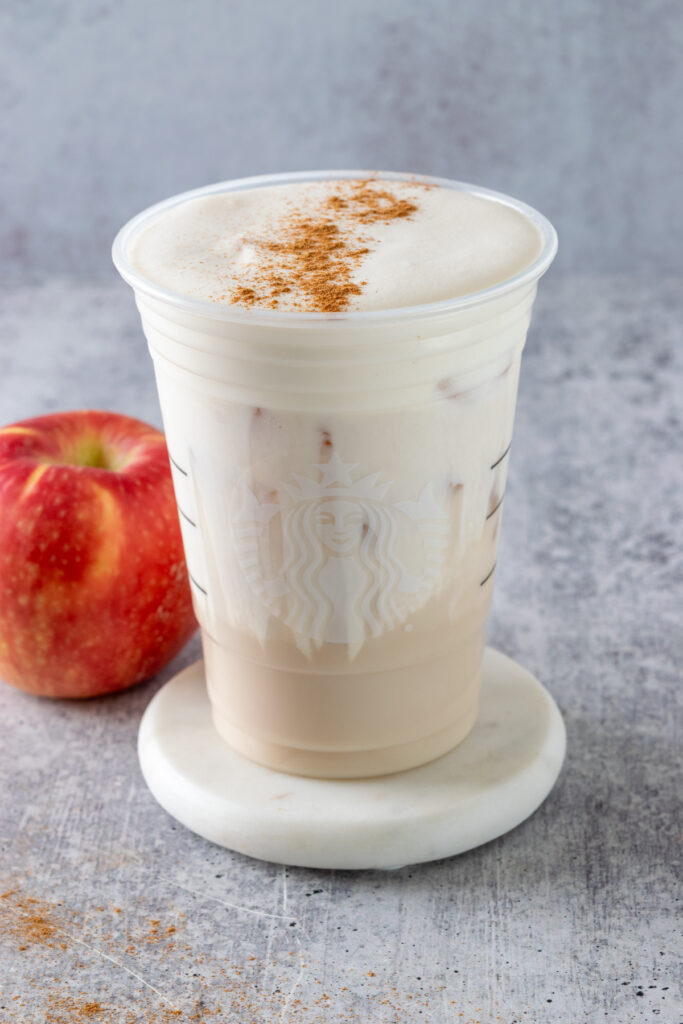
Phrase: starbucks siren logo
pixel 334 560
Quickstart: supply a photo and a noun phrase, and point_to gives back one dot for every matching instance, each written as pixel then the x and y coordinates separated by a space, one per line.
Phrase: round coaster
pixel 489 784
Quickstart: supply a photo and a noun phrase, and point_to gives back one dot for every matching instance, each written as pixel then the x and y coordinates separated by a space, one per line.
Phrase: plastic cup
pixel 340 481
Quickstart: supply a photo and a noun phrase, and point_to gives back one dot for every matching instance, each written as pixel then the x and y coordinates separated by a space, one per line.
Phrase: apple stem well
pixel 94 453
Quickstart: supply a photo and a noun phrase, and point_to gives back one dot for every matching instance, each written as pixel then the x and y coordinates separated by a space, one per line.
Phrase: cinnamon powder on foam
pixel 317 255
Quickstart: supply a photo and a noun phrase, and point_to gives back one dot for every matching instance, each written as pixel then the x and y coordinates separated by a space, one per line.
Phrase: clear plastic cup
pixel 340 481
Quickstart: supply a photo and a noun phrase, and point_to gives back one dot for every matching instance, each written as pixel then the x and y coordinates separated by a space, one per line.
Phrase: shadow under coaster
pixel 490 783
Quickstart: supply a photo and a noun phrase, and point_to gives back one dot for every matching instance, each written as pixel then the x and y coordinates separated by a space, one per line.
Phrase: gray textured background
pixel 108 106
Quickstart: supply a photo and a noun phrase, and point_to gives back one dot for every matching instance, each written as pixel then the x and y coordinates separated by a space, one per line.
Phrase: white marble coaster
pixel 489 784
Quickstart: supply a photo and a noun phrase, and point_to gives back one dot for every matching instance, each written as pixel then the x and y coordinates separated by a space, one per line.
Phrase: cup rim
pixel 282 318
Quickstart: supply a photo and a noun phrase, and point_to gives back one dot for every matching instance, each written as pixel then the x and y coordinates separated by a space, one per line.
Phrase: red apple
pixel 94 594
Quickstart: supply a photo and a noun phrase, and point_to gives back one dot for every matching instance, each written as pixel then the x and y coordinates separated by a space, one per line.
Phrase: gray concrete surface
pixel 573 917
pixel 109 105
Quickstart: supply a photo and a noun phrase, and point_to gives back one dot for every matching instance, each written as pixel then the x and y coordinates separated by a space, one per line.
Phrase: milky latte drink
pixel 337 360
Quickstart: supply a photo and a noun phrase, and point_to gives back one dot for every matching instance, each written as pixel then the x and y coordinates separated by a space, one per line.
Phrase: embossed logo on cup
pixel 334 559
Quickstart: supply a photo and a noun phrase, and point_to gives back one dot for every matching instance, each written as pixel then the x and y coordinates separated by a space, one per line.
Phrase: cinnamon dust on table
pixel 31 922
pixel 230 992
pixel 316 255
pixel 74 1011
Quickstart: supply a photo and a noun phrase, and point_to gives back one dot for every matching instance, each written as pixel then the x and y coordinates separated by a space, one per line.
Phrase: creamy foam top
pixel 336 245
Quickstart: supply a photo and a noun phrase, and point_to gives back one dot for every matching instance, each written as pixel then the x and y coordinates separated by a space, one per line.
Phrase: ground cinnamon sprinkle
pixel 31 922
pixel 245 296
pixel 317 255
pixel 222 991
pixel 368 204
pixel 317 258
pixel 91 1009
pixel 74 1011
